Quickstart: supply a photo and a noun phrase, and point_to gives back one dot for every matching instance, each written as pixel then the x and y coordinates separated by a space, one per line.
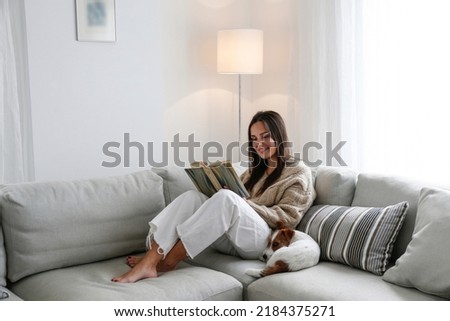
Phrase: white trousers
pixel 225 219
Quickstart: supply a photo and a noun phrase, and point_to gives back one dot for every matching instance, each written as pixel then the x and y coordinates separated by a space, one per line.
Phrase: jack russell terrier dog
pixel 287 250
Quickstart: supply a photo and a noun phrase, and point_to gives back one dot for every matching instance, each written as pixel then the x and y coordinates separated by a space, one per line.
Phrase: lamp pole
pixel 240 51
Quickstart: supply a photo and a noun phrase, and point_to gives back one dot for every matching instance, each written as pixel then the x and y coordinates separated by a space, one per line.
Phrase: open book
pixel 209 179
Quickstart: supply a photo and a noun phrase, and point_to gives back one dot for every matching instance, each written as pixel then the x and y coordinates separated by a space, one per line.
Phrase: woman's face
pixel 262 141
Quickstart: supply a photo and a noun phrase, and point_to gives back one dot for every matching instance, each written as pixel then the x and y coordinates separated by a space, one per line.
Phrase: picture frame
pixel 96 20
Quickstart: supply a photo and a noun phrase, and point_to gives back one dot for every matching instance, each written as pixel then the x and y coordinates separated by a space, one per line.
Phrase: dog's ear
pixel 280 225
pixel 288 234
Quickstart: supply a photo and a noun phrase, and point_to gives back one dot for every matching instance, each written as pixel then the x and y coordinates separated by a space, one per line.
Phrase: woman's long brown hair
pixel 274 123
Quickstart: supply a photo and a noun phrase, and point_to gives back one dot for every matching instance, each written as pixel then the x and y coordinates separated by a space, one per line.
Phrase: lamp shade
pixel 240 51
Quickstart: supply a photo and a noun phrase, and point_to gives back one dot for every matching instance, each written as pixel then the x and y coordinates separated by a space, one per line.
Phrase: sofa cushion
pixel 2 250
pixel 7 295
pixel 92 282
pixel 381 190
pixel 176 181
pixel 426 262
pixel 361 237
pixel 230 264
pixel 4 293
pixel 49 225
pixel 329 281
pixel 334 185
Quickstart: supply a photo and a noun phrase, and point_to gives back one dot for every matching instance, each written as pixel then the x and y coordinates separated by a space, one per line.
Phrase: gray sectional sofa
pixel 66 240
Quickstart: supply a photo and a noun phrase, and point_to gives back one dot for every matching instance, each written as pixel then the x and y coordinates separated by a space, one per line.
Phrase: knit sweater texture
pixel 287 199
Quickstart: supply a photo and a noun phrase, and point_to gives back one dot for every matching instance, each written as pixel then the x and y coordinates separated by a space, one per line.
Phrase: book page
pixel 201 181
pixel 228 177
pixel 212 178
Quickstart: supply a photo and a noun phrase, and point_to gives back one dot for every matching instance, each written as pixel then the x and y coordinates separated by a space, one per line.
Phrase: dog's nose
pixel 264 257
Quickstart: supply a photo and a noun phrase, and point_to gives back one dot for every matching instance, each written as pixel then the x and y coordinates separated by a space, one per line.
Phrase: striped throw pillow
pixel 362 237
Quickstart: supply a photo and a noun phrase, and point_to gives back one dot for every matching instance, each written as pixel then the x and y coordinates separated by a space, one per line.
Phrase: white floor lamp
pixel 240 51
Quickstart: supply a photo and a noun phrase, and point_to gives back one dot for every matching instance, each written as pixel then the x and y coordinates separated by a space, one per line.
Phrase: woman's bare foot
pixel 133 260
pixel 152 263
pixel 175 256
pixel 161 267
pixel 142 270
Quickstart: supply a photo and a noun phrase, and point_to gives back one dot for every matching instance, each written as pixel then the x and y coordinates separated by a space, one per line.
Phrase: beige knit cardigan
pixel 287 199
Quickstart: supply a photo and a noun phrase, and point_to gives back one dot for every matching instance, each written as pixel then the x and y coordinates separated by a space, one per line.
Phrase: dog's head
pixel 280 237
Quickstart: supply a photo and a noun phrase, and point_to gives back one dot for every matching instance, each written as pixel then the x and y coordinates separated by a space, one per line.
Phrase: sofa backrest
pixel 48 225
pixel 176 181
pixel 334 185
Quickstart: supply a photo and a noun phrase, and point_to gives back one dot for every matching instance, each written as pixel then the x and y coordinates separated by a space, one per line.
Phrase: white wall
pixel 210 99
pixel 199 101
pixel 273 90
pixel 85 94
pixel 157 80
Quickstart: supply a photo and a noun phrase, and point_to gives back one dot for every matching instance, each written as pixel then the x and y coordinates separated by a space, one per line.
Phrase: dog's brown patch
pixel 283 238
pixel 278 267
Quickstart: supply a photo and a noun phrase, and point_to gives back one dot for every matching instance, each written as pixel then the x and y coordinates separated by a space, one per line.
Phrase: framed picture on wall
pixel 96 20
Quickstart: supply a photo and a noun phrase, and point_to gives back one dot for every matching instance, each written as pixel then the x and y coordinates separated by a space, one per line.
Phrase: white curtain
pixel 325 81
pixel 15 132
pixel 406 88
pixel 374 73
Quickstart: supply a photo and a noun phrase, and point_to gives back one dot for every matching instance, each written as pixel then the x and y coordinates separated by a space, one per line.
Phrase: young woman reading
pixel 280 190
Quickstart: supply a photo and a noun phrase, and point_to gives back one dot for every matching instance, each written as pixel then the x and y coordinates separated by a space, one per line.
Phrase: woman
pixel 280 190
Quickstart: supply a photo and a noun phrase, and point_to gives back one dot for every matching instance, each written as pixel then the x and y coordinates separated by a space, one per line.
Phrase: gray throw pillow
pixel 361 237
pixel 426 263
